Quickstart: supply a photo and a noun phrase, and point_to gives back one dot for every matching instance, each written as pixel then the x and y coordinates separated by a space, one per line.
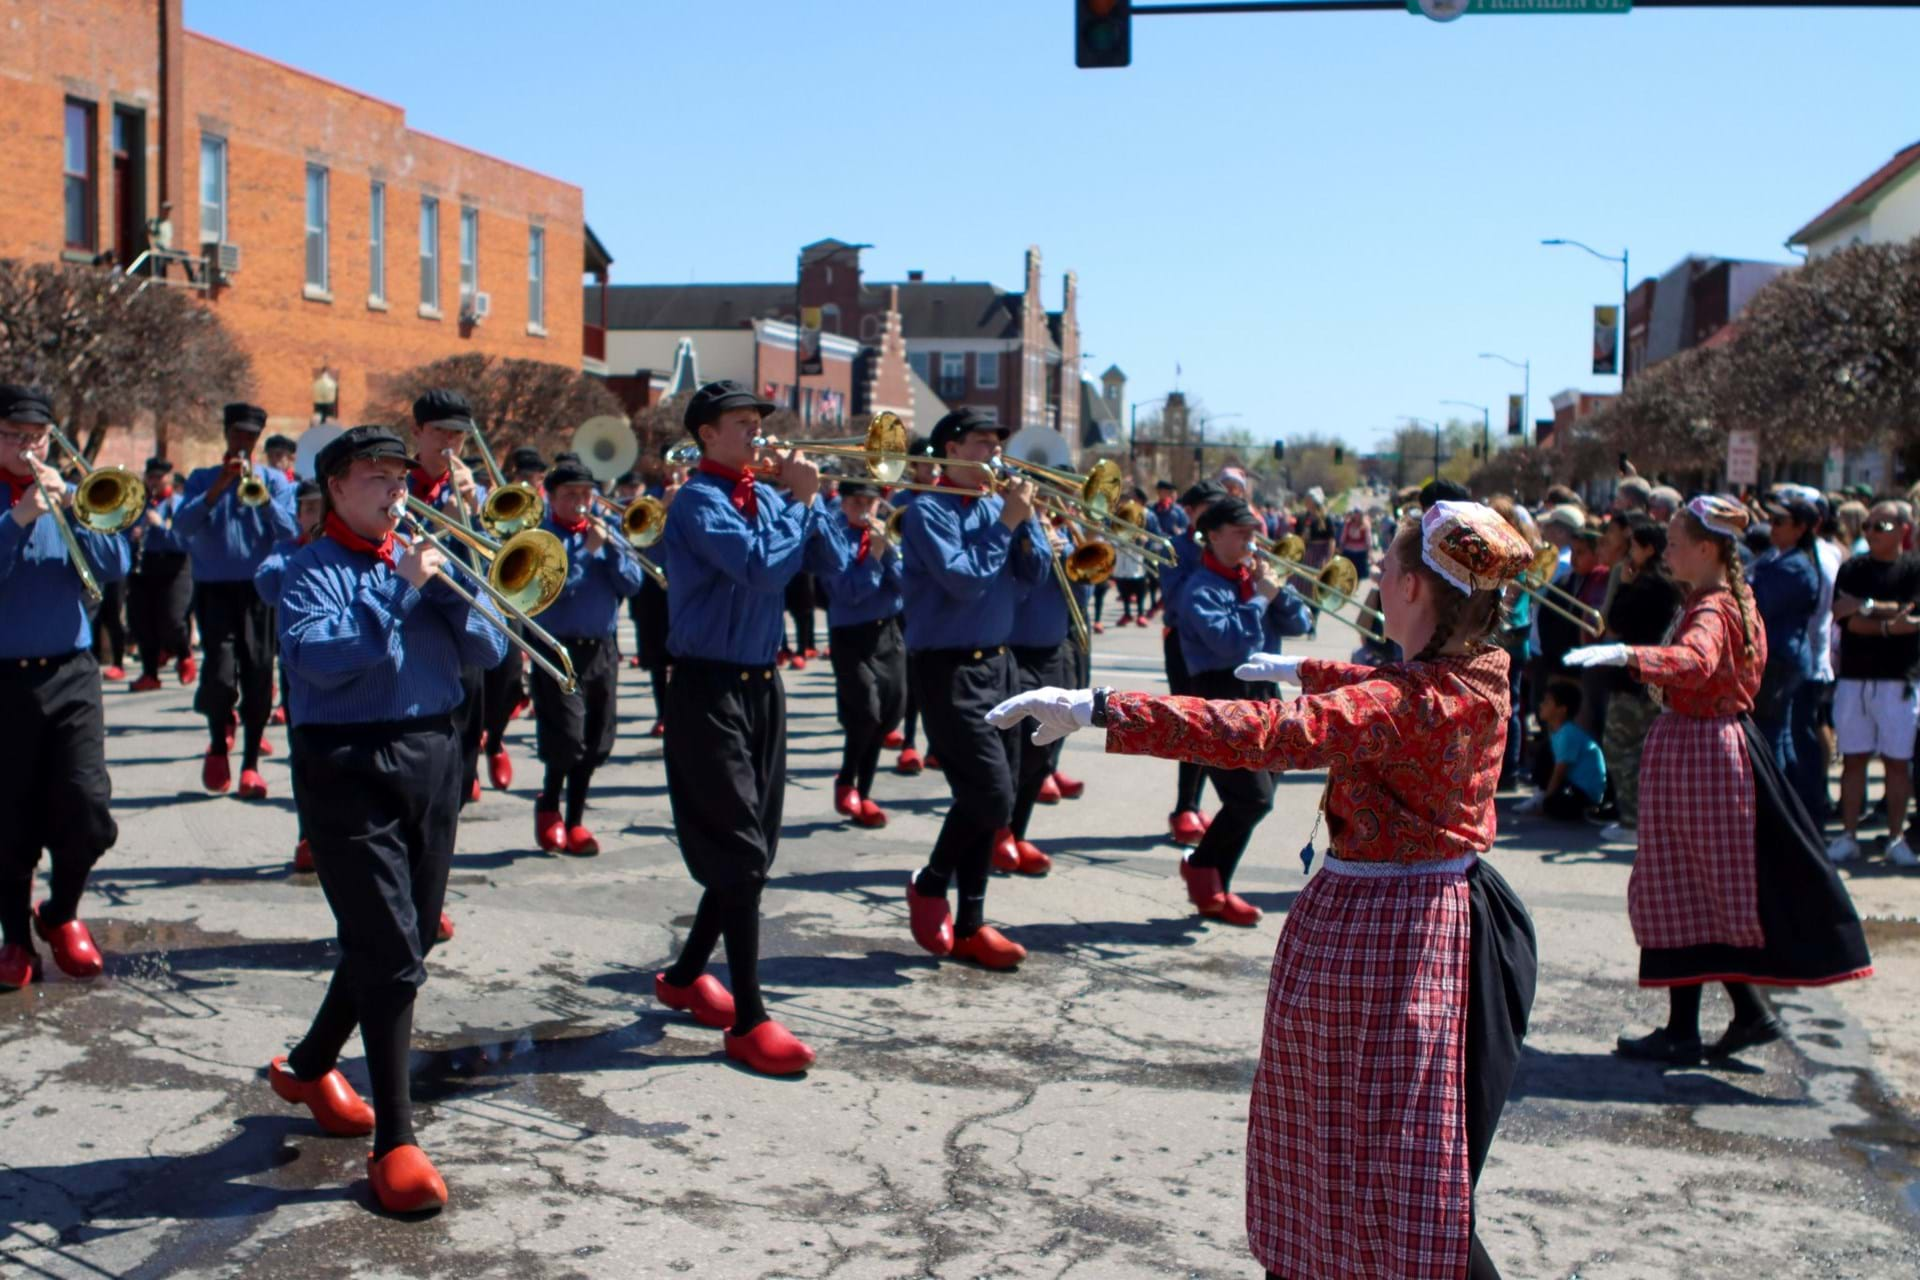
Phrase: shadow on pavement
pixel 1607 1077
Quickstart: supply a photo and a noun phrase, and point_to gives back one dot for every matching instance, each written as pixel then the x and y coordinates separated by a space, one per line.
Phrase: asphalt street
pixel 1082 1117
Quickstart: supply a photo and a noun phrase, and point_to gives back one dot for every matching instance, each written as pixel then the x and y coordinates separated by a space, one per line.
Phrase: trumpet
pixel 526 573
pixel 251 490
pixel 642 523
pixel 1334 582
pixel 1537 582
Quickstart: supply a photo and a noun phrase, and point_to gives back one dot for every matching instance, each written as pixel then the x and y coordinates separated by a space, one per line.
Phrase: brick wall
pixel 277 120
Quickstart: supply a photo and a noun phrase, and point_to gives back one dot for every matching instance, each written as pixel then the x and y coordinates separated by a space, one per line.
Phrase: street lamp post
pixel 1486 452
pixel 1526 388
pixel 1625 289
pixel 1422 422
pixel 1133 428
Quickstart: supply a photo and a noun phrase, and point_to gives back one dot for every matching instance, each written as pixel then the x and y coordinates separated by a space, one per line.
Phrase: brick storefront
pixel 276 123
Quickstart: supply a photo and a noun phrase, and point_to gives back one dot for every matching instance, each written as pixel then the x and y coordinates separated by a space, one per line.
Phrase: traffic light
pixel 1339 455
pixel 1279 450
pixel 1102 33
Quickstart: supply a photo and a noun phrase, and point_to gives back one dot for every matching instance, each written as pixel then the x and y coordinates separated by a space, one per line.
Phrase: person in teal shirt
pixel 1579 778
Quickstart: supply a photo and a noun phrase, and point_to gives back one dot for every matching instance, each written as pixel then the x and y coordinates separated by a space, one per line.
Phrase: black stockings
pixel 732 915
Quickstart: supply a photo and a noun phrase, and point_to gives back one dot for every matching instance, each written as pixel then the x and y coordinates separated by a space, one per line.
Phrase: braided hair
pixel 1475 617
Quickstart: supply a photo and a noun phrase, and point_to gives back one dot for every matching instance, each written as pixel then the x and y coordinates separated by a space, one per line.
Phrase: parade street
pixel 1081 1118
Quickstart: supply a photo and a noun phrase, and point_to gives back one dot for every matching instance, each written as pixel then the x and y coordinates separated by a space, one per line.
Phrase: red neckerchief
pixel 290 475
pixel 577 526
pixel 948 482
pixel 19 484
pixel 866 541
pixel 164 492
pixel 337 529
pixel 745 501
pixel 1163 506
pixel 1241 578
pixel 428 489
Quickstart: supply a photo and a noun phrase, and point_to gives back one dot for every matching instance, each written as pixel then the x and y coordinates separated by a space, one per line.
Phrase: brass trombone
pixel 1537 582
pixel 1333 582
pixel 107 499
pixel 75 554
pixel 883 449
pixel 507 509
pixel 642 523
pixel 527 572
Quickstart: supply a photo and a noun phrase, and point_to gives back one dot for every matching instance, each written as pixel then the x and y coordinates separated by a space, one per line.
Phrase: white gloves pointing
pixel 1055 712
pixel 1598 655
pixel 1269 666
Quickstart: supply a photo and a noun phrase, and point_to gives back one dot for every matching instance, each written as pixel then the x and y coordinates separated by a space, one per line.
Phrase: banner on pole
pixel 1515 407
pixel 809 340
pixel 1606 340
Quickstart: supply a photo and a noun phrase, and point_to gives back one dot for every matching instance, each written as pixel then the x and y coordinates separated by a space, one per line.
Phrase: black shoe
pixel 1659 1046
pixel 1747 1035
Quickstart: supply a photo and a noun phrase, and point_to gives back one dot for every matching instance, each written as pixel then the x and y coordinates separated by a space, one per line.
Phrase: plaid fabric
pixel 1356 1142
pixel 1693 880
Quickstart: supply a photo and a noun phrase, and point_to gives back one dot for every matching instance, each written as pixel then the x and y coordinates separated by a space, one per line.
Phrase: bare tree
pixel 516 402
pixel 108 346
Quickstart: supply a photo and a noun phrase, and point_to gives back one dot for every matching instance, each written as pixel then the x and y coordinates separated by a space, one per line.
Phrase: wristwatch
pixel 1099 720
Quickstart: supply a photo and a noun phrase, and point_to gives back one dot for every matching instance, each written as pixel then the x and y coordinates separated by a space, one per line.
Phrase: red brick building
pixel 325 232
pixel 972 343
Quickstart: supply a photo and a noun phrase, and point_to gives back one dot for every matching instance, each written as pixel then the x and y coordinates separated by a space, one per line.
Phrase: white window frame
pixel 377 244
pixel 317 232
pixel 536 279
pixel 429 256
pixel 469 255
pixel 213 230
pixel 986 369
pixel 953 366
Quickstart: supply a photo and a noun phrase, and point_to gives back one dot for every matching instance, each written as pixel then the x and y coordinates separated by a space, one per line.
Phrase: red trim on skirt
pixel 1758 982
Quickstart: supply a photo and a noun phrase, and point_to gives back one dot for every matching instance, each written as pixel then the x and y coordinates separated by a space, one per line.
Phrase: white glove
pixel 1598 655
pixel 1055 712
pixel 1270 666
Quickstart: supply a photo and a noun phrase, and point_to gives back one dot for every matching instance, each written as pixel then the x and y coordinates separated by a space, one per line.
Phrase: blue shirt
pixel 227 540
pixel 1040 621
pixel 956 549
pixel 1219 631
pixel 163 540
pixel 1170 523
pixel 1586 767
pixel 1174 577
pixel 270 579
pixel 857 590
pixel 43 611
pixel 362 645
pixel 1786 591
pixel 597 581
pixel 727 576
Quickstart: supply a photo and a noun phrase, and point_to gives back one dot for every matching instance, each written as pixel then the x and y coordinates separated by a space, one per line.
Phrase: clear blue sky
pixel 1321 218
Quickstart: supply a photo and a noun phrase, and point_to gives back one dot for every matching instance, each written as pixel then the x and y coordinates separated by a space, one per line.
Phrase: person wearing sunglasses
pixel 1875 708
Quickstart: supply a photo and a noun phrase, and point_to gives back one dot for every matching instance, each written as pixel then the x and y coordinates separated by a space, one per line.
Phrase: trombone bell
pixel 530 570
pixel 511 509
pixel 110 499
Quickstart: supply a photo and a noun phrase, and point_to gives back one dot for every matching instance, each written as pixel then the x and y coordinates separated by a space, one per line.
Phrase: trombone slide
pixel 566 679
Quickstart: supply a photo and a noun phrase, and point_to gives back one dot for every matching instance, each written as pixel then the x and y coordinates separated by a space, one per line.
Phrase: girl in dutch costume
pixel 1405 970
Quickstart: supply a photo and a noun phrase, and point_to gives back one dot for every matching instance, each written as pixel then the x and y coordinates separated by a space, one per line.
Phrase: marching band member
pixel 731 546
pixel 441 421
pixel 1231 608
pixel 227 540
pixel 959 607
pixel 270 580
pixel 1731 883
pixel 922 471
pixel 649 611
pixel 160 588
pixel 1186 824
pixel 575 730
pixel 1167 518
pixel 376 643
pixel 280 452
pixel 1405 970
pixel 859 568
pixel 1043 656
pixel 53 767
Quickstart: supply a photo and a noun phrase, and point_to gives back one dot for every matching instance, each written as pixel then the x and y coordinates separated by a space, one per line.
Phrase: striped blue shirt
pixel 1040 622
pixel 727 577
pixel 589 605
pixel 43 612
pixel 362 645
pixel 1219 631
pixel 956 553
pixel 857 590
pixel 161 539
pixel 227 540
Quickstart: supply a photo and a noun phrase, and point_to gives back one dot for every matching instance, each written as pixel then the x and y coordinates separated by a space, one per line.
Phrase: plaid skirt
pixel 1394 1017
pixel 1693 880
